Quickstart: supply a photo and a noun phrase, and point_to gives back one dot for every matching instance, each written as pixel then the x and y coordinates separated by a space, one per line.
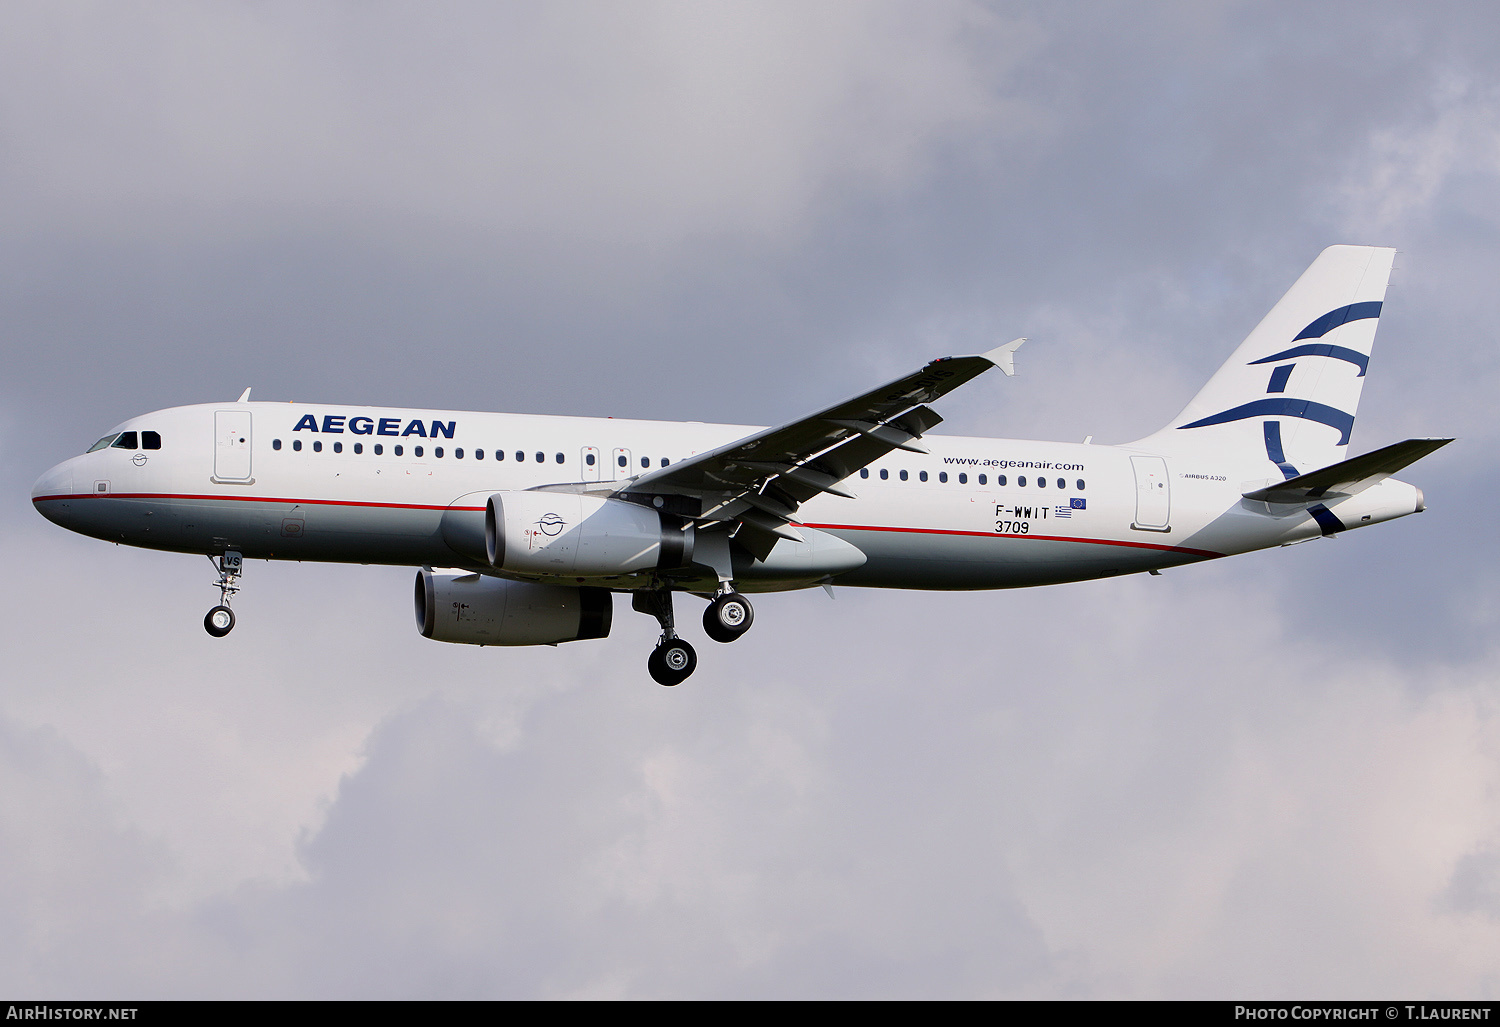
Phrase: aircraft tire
pixel 672 662
pixel 728 617
pixel 219 621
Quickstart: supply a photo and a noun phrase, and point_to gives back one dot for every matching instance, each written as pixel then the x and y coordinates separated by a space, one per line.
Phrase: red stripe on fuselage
pixel 255 499
pixel 997 534
pixel 832 527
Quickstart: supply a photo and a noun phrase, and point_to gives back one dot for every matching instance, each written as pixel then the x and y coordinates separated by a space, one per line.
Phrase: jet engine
pixel 463 606
pixel 566 534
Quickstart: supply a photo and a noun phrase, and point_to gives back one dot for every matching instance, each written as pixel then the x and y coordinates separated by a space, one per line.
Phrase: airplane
pixel 525 527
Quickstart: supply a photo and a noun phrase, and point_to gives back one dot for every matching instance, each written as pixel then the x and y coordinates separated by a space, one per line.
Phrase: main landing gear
pixel 729 615
pixel 220 620
pixel 673 660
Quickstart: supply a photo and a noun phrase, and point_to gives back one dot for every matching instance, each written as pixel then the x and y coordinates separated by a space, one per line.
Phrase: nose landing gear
pixel 220 620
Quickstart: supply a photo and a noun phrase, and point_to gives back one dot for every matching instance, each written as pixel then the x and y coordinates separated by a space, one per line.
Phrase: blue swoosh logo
pixel 1284 407
pixel 1321 349
pixel 1275 451
pixel 1321 327
pixel 1342 316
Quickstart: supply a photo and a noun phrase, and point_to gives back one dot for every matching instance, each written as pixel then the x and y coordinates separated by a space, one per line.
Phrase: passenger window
pixel 884 474
pixel 621 461
pixel 275 443
pixel 478 454
pixel 982 480
pixel 379 449
pixel 589 459
pixel 151 440
pixel 520 457
pixel 903 475
pixel 416 451
pixel 437 451
pixel 922 475
pixel 864 472
pixel 103 443
pixel 943 476
pixel 338 447
pixel 541 458
pixel 296 445
pixel 318 447
pixel 398 450
pixel 665 461
pixel 499 454
pixel 126 441
pixel 559 458
pixel 1041 483
pixel 359 447
pixel 458 454
pixel 645 461
pixel 1080 484
pixel 963 479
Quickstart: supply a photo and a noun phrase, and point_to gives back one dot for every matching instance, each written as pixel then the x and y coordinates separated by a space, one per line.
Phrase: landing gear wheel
pixel 672 662
pixel 728 617
pixel 219 622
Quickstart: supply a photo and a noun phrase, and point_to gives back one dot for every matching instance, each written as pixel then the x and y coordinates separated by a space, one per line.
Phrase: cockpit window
pixel 127 440
pixel 103 443
pixel 150 440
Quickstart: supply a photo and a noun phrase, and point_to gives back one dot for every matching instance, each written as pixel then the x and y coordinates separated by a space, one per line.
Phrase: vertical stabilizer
pixel 1289 393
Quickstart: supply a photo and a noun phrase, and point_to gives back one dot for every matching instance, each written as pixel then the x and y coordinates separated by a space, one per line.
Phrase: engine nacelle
pixel 566 534
pixel 462 606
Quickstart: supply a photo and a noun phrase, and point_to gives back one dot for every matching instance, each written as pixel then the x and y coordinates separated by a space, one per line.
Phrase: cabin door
pixel 1153 494
pixel 232 445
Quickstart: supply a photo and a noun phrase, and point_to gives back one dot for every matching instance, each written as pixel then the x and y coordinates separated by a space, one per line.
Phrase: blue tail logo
pixel 1283 406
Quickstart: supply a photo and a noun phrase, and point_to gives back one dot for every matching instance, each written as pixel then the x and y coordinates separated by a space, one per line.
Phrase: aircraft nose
pixel 56 482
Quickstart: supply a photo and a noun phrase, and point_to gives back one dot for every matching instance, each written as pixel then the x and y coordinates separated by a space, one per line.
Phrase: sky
pixel 1276 776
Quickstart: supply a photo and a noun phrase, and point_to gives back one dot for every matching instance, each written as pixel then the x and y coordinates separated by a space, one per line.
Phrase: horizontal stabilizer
pixel 1349 476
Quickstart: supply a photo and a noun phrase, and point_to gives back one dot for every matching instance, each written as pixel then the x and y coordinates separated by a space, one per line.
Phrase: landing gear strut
pixel 729 615
pixel 673 660
pixel 220 620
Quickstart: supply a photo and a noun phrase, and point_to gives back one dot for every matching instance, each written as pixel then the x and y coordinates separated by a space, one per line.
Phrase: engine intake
pixel 567 534
pixel 463 606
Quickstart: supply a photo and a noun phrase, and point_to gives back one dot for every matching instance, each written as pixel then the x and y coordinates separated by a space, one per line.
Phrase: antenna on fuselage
pixel 244 396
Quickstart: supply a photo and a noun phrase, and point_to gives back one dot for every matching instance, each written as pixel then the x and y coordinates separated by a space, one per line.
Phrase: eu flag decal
pixel 1078 504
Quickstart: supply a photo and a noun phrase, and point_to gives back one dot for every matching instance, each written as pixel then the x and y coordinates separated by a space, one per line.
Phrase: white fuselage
pixel 373 485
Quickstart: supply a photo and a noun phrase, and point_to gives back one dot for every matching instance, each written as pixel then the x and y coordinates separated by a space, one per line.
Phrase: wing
pixel 754 485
